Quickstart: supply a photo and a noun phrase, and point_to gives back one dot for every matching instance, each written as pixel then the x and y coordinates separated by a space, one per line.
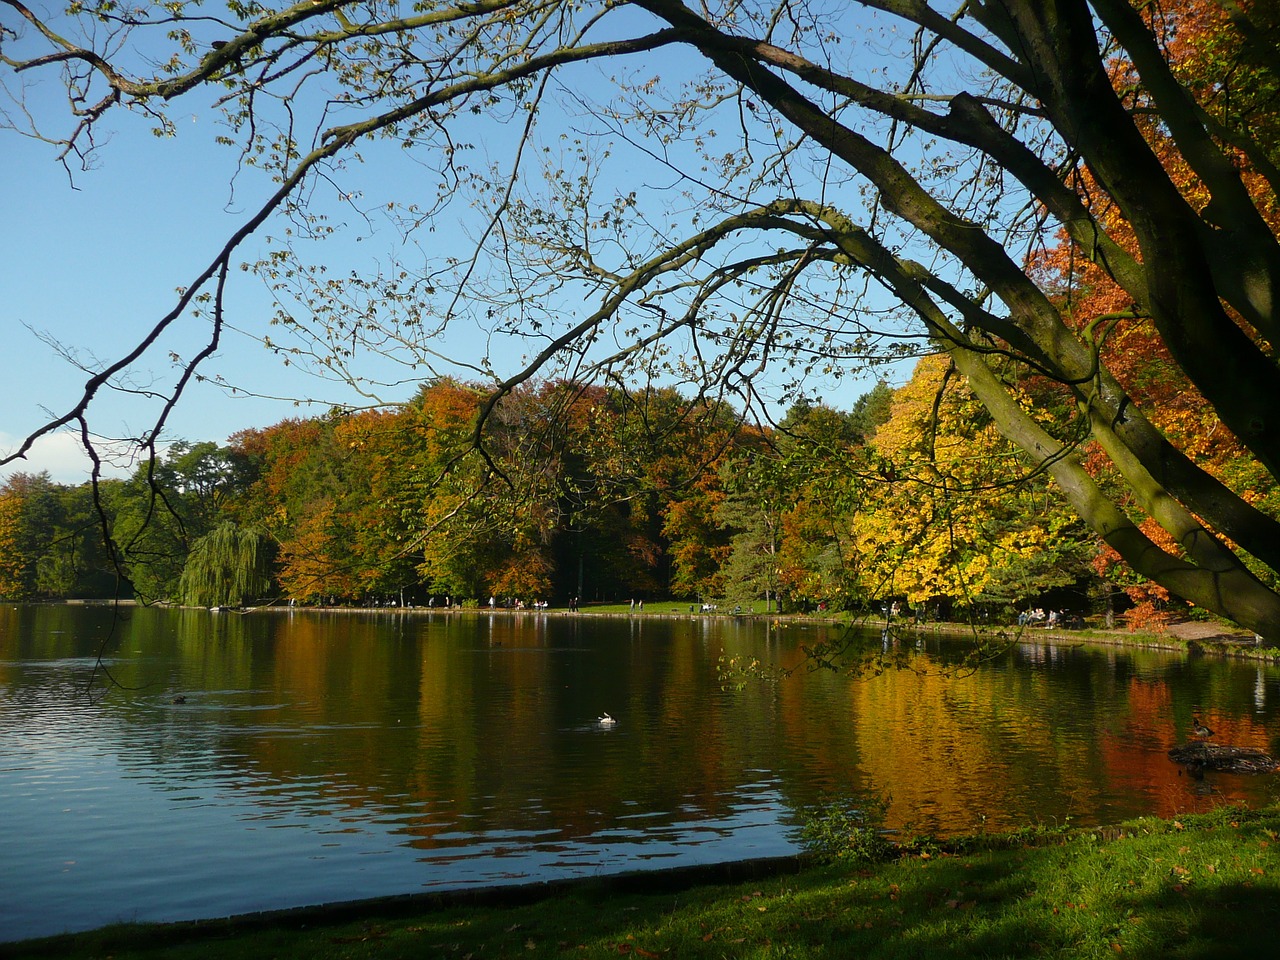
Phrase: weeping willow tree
pixel 226 567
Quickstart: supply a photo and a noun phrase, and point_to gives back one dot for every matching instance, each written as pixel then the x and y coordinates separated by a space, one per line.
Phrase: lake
pixel 179 764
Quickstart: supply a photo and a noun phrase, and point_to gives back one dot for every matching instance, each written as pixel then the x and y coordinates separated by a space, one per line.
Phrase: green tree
pixel 871 410
pixel 845 182
pixel 227 567
pixel 79 562
pixel 757 497
pixel 824 457
pixel 165 507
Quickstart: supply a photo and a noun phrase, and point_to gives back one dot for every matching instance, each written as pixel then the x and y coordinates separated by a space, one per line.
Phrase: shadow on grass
pixel 1195 895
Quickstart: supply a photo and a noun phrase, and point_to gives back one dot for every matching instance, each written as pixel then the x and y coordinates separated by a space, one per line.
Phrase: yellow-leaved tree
pixel 957 514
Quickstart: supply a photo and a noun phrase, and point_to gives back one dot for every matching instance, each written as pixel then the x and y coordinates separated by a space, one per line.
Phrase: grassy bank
pixel 1200 887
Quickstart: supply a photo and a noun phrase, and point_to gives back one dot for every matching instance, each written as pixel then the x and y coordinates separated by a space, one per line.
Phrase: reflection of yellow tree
pixel 945 521
pixel 949 748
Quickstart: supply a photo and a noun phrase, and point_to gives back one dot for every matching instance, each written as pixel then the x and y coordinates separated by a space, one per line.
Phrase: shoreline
pixel 1052 891
pixel 1189 636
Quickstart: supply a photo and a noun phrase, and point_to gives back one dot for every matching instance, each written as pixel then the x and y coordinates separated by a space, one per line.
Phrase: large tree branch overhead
pixel 703 196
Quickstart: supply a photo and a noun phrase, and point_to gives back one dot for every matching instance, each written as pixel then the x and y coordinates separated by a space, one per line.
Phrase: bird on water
pixel 1200 730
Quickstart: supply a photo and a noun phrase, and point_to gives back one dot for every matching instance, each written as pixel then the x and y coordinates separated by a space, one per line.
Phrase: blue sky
pixel 92 262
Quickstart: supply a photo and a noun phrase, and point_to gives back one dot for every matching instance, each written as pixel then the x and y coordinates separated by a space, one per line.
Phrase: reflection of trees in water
pixel 448 725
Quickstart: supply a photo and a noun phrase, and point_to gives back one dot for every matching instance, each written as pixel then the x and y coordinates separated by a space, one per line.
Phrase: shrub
pixel 847 828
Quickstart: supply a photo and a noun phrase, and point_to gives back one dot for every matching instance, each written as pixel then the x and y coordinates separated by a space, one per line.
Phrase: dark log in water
pixel 1212 756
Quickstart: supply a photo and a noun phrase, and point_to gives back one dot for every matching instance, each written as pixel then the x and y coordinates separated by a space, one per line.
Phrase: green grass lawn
pixel 1202 887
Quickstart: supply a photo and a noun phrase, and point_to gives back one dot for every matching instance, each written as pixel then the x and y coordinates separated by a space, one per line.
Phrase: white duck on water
pixel 606 720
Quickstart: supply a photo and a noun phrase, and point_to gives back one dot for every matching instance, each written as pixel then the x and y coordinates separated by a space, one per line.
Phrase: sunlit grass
pixel 1205 886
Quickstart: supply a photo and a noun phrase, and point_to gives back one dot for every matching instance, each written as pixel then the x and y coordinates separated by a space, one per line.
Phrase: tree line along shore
pixel 827 511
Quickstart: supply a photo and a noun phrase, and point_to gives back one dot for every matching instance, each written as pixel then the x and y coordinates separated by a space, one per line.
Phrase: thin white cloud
pixel 61 455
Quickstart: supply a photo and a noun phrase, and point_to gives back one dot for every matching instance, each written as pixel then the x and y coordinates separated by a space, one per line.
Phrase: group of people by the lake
pixel 519 604
pixel 1036 617
pixel 449 602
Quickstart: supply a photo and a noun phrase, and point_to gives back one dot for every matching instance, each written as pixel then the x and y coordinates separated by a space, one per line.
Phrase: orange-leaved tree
pixel 1237 95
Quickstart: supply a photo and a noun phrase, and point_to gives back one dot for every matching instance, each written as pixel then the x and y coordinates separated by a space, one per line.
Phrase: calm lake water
pixel 319 757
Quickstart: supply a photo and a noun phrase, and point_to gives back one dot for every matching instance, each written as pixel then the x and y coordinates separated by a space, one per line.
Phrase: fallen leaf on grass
pixel 371 934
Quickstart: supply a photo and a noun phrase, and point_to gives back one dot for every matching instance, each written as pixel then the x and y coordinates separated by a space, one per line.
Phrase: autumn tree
pixel 739 195
pixel 303 499
pixel 32 528
pixel 1206 58
pixel 958 515
pixel 698 543
pixel 667 477
pixel 11 559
